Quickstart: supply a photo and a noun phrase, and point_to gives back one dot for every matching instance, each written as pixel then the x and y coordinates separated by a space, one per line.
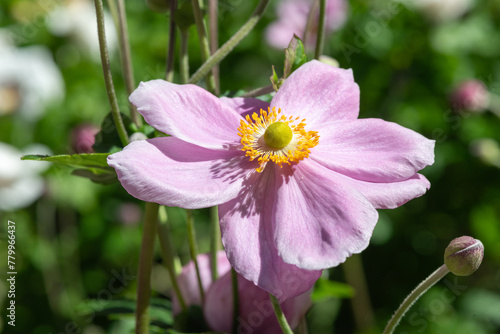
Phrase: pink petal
pixel 318 92
pixel 245 105
pixel 171 172
pixel 247 235
pixel 256 311
pixel 318 220
pixel 372 150
pixel 188 282
pixel 187 112
pixel 390 195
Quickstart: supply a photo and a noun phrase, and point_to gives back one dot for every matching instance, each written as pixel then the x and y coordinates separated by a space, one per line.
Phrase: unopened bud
pixel 464 255
pixel 470 95
pixel 137 136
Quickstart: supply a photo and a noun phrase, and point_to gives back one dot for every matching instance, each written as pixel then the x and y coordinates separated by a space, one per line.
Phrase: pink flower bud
pixel 83 137
pixel 470 95
pixel 464 255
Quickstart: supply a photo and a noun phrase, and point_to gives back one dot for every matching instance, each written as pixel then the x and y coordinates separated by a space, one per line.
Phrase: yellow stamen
pixel 271 136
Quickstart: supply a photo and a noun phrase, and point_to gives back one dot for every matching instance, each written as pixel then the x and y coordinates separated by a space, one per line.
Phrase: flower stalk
pixel 285 327
pixel 414 296
pixel 145 266
pixel 184 56
pixel 224 50
pixel 311 17
pixel 168 254
pixel 193 249
pixel 213 6
pixel 108 78
pixel 214 240
pixel 127 70
pixel 169 75
pixel 204 43
pixel 320 41
pixel 236 299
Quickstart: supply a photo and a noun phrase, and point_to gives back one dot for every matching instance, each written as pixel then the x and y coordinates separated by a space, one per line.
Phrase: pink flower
pixel 83 137
pixel 292 19
pixel 470 95
pixel 256 311
pixel 298 186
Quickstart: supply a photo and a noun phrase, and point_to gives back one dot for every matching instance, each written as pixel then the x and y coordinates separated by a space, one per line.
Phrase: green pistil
pixel 278 135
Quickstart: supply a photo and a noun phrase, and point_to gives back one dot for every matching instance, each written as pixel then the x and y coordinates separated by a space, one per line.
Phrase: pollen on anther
pixel 254 128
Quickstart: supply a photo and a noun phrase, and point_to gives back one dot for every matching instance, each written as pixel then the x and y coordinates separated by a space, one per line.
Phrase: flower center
pixel 278 135
pixel 271 136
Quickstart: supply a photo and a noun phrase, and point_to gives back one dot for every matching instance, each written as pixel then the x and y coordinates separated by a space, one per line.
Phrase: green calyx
pixel 278 135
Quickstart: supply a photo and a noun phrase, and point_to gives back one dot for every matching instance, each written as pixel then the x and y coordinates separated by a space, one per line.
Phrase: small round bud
pixel 184 16
pixel 83 137
pixel 464 255
pixel 471 95
pixel 137 136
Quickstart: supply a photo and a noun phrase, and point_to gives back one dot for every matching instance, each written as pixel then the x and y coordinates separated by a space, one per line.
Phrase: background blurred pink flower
pixel 83 137
pixel 256 312
pixel 470 95
pixel 292 19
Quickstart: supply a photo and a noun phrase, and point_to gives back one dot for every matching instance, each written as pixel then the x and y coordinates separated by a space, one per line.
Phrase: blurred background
pixel 432 66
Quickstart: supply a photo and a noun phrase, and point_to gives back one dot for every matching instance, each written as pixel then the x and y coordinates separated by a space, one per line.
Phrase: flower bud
pixel 470 95
pixel 138 136
pixel 83 137
pixel 464 255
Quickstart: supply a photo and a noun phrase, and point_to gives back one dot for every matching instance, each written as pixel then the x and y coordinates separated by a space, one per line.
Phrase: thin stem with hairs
pixel 224 50
pixel 320 40
pixel 145 266
pixel 108 78
pixel 204 43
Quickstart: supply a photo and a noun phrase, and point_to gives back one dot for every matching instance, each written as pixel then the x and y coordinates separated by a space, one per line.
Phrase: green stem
pixel 236 300
pixel 193 249
pixel 224 50
pixel 414 296
pixel 204 43
pixel 169 75
pixel 320 41
pixel 184 57
pixel 360 302
pixel 311 18
pixel 285 327
pixel 108 79
pixel 214 240
pixel 168 254
pixel 213 6
pixel 259 91
pixel 128 72
pixel 145 266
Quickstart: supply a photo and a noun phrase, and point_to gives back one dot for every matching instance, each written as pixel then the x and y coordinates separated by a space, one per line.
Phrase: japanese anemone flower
pixel 256 311
pixel 297 181
pixel 292 19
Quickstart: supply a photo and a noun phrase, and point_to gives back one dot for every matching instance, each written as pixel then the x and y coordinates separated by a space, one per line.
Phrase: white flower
pixel 77 19
pixel 441 10
pixel 29 81
pixel 20 181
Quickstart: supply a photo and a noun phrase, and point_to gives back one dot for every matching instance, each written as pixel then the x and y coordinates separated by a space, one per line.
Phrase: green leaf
pixel 295 56
pixel 97 175
pixel 325 289
pixel 73 160
pixel 160 311
pixel 90 165
pixel 275 80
